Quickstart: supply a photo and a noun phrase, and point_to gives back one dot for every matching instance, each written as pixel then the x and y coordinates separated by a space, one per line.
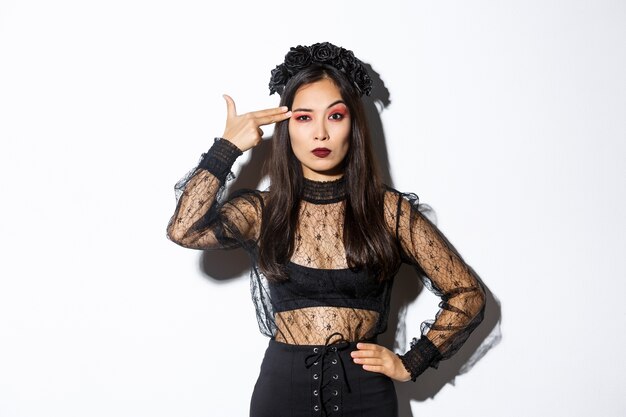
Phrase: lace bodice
pixel 323 296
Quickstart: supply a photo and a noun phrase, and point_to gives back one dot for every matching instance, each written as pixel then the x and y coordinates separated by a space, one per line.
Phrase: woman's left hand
pixel 376 358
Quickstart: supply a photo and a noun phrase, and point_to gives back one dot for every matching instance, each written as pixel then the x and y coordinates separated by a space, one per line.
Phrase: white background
pixel 506 117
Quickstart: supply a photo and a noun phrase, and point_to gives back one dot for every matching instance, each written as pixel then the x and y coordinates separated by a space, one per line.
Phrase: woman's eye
pixel 302 118
pixel 336 116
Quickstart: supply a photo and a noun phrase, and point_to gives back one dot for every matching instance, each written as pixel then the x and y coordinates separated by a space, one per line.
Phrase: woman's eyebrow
pixel 329 106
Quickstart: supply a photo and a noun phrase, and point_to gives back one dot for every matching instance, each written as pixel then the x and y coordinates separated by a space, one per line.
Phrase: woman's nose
pixel 321 132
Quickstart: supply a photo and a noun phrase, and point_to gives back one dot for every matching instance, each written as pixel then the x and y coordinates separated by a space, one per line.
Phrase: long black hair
pixel 366 239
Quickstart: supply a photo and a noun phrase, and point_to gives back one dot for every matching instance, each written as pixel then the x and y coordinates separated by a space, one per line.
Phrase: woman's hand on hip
pixel 244 130
pixel 376 358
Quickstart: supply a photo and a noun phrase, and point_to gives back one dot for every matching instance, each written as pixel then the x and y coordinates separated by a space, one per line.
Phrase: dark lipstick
pixel 321 152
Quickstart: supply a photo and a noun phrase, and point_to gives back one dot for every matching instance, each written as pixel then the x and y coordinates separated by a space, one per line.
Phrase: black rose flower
pixel 362 80
pixel 297 58
pixel 278 79
pixel 325 53
pixel 347 61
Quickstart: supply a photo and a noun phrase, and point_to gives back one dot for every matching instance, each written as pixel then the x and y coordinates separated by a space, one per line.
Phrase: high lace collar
pixel 324 192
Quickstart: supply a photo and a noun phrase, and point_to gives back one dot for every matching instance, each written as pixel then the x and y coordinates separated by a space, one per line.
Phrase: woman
pixel 326 240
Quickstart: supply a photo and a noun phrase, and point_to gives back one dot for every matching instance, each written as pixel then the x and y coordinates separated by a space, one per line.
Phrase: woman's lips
pixel 321 152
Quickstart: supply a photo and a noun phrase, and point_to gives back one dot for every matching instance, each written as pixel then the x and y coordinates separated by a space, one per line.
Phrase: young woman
pixel 326 240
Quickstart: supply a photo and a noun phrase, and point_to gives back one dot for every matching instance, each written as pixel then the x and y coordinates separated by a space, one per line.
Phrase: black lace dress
pixel 325 307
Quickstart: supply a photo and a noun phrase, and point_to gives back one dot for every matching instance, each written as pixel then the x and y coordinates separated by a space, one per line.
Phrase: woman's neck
pixel 324 192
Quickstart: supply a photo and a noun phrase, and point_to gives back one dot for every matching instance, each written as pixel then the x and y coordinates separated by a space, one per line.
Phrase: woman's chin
pixel 323 175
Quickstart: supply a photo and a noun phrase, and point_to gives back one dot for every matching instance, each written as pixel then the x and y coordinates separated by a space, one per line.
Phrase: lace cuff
pixel 220 158
pixel 423 353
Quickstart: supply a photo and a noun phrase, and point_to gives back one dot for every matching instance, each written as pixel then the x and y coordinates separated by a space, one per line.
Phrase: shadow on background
pixel 223 265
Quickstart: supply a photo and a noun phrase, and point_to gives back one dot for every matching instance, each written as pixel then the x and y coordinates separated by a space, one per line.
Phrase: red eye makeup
pixel 338 112
pixel 301 117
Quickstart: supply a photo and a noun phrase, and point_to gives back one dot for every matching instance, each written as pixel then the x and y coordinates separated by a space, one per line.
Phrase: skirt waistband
pixel 305 348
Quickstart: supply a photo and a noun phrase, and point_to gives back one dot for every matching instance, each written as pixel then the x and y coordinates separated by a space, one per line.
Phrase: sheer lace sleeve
pixel 200 220
pixel 445 274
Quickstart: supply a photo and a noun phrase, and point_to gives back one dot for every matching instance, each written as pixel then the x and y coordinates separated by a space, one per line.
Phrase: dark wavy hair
pixel 366 238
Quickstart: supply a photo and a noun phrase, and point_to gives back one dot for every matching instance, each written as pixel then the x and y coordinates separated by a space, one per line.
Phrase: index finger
pixel 270 112
pixel 274 118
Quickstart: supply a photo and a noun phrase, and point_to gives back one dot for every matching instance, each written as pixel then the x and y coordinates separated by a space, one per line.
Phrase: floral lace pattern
pixel 329 298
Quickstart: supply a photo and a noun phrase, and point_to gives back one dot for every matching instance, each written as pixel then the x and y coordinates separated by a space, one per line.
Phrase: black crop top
pixel 322 295
pixel 311 287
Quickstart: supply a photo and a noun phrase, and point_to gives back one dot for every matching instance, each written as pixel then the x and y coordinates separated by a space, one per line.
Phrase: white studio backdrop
pixel 506 117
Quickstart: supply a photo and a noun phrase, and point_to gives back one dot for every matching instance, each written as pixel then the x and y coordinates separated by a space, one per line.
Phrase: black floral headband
pixel 300 57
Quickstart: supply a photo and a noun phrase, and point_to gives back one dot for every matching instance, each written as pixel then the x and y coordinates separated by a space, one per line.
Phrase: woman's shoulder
pixel 397 205
pixel 394 197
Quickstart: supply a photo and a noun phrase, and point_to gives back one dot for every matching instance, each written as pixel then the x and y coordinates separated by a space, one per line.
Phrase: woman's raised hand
pixel 244 130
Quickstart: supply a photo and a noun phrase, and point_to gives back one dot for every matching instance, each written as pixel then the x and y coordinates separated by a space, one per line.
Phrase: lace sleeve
pixel 445 274
pixel 200 221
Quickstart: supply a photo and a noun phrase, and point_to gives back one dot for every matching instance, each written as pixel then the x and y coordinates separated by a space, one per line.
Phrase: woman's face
pixel 320 130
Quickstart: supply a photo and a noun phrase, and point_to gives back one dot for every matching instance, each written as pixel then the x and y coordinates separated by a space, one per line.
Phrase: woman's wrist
pixel 423 353
pixel 220 158
pixel 234 143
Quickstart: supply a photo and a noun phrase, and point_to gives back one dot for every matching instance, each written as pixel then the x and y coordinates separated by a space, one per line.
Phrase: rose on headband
pixel 362 80
pixel 297 58
pixel 300 57
pixel 325 53
pixel 279 78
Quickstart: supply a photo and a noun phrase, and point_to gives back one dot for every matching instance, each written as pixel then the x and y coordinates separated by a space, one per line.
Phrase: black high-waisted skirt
pixel 312 381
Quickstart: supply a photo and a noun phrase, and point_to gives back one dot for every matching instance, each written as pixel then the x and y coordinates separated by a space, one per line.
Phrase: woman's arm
pixel 200 221
pixel 445 274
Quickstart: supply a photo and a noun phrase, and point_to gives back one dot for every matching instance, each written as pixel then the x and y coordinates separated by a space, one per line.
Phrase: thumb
pixel 231 110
